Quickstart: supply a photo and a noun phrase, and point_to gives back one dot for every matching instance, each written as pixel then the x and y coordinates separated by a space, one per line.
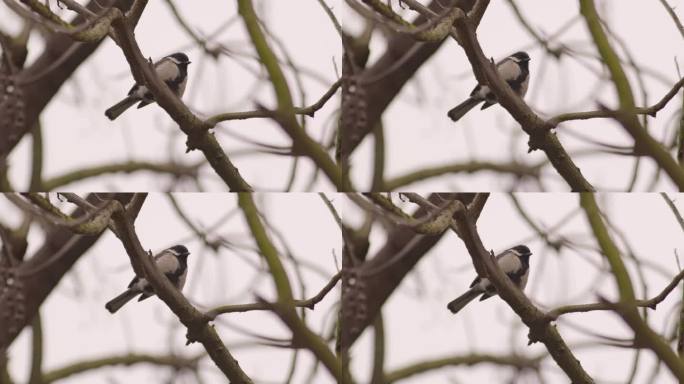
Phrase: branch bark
pixel 540 328
pixel 195 321
pixel 195 128
pixel 384 79
pixel 40 82
pixel 25 286
pixel 368 285
pixel 539 131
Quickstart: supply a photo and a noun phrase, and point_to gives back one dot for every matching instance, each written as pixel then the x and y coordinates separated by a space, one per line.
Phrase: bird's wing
pixel 508 69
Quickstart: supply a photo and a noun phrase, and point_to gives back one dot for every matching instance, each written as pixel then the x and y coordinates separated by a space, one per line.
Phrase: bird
pixel 514 70
pixel 172 262
pixel 172 70
pixel 514 262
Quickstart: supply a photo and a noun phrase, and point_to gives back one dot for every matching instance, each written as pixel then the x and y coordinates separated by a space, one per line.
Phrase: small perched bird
pixel 172 70
pixel 172 262
pixel 514 262
pixel 514 70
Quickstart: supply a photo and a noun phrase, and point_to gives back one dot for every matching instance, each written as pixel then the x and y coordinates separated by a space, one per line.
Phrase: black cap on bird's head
pixel 179 250
pixel 522 250
pixel 179 58
pixel 521 57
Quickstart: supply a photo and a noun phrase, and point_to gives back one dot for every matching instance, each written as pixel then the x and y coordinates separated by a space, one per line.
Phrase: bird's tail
pixel 460 110
pixel 117 109
pixel 116 303
pixel 463 300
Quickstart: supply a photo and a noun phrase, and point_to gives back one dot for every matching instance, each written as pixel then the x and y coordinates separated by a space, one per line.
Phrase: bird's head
pixel 179 58
pixel 520 57
pixel 522 251
pixel 179 251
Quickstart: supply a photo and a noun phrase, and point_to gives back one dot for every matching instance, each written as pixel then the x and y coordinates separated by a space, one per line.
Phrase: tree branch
pixel 309 303
pixel 603 306
pixel 538 130
pixel 195 321
pixel 177 170
pixel 284 306
pixel 514 169
pixel 603 113
pixel 285 113
pixel 34 279
pixel 260 113
pixel 626 115
pixel 514 361
pixel 86 366
pixel 626 307
pixel 196 129
pixel 540 328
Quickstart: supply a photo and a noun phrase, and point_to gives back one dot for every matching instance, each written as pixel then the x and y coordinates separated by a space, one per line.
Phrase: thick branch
pixel 195 128
pixel 539 131
pixel 540 329
pixel 285 114
pixel 626 307
pixel 42 80
pixel 643 141
pixel 284 306
pixel 195 321
pixel 384 79
pixel 35 278
pixel 367 286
